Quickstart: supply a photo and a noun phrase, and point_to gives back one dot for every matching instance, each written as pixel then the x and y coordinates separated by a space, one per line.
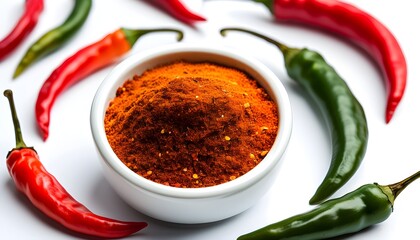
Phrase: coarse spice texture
pixel 191 125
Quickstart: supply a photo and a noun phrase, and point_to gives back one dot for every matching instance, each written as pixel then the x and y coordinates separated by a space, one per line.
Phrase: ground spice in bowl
pixel 191 125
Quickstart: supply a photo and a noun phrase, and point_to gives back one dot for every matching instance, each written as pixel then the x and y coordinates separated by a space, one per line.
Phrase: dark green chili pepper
pixel 368 205
pixel 55 38
pixel 345 115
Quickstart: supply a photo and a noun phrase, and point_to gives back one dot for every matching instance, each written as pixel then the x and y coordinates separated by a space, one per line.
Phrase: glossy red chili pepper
pixel 49 196
pixel 356 25
pixel 83 63
pixel 25 25
pixel 178 10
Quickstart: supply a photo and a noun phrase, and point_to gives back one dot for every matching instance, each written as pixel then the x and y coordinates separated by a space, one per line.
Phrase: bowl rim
pixel 278 149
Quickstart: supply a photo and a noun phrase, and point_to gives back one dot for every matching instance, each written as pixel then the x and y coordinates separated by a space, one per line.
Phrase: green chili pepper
pixel 368 205
pixel 57 37
pixel 345 115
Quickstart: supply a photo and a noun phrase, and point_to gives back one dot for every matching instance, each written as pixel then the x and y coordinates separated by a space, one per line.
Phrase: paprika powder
pixel 191 125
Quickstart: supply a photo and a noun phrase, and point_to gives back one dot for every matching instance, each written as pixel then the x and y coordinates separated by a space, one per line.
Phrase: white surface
pixel 198 205
pixel 70 155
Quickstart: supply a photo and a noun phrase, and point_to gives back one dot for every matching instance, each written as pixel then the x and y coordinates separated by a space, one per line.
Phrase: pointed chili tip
pixel 388 117
pixel 132 227
pixel 44 131
pixel 45 136
pixel 391 107
pixel 314 200
pixel 325 190
pixel 389 113
pixel 201 18
pixel 19 70
pixel 195 18
pixel 141 225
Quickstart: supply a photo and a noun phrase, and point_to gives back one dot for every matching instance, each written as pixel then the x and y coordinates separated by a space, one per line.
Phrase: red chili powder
pixel 191 124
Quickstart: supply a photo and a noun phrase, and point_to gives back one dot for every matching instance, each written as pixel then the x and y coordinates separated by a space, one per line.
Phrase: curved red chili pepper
pixel 178 10
pixel 49 196
pixel 25 25
pixel 357 26
pixel 83 63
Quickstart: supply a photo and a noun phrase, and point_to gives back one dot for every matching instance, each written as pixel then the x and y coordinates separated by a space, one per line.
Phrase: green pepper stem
pixel 18 133
pixel 398 187
pixel 132 35
pixel 283 48
pixel 288 53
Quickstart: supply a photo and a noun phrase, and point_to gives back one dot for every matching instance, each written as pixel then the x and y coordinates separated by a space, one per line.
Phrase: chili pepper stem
pixel 18 133
pixel 132 35
pixel 398 187
pixel 288 52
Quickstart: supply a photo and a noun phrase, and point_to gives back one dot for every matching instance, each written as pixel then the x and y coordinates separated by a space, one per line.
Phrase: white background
pixel 69 153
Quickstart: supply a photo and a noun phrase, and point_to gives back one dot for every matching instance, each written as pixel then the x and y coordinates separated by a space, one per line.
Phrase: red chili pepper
pixel 178 10
pixel 24 26
pixel 50 197
pixel 83 63
pixel 357 26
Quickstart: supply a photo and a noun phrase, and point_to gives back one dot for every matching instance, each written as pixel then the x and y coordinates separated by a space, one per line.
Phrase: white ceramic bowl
pixel 190 205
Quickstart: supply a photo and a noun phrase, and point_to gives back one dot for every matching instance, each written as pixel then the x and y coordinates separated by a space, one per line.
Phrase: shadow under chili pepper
pixel 349 235
pixel 167 230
